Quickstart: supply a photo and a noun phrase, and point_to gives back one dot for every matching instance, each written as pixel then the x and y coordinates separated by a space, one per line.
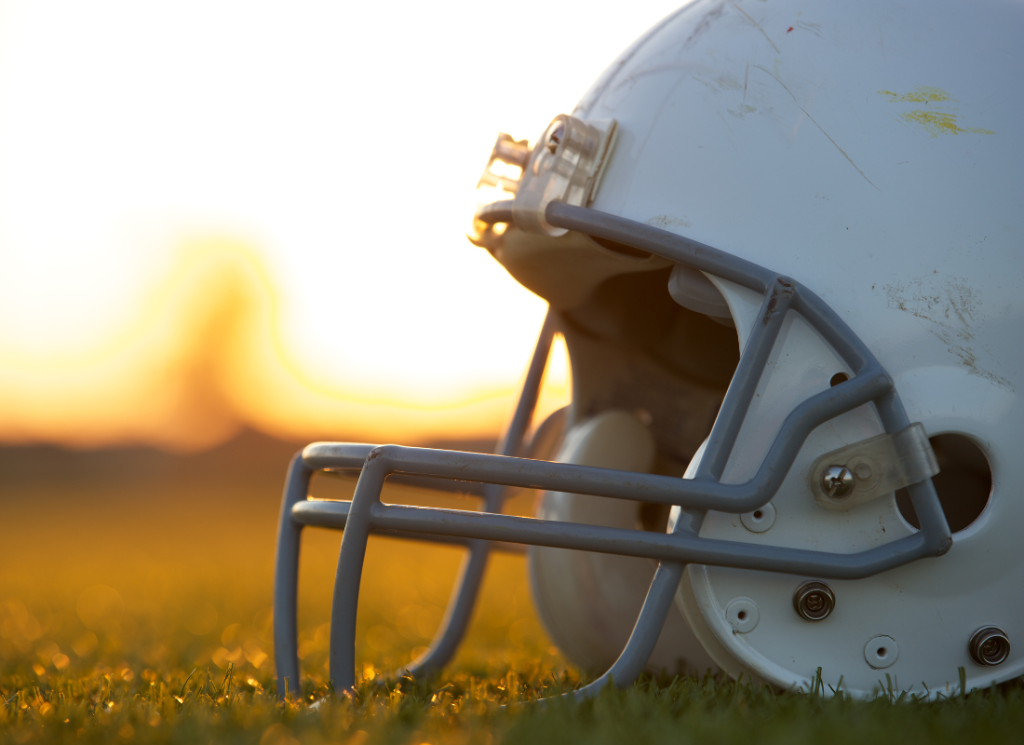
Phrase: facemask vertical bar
pixel 512 441
pixel 661 594
pixel 357 527
pixel 286 579
pixel 471 573
pixel 744 383
pixel 644 636
pixel 350 572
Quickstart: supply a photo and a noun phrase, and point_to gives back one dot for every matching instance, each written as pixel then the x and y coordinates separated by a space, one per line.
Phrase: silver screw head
pixel 837 481
pixel 814 601
pixel 989 646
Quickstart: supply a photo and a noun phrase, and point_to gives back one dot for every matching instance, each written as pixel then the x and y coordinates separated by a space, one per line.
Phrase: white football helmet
pixel 785 244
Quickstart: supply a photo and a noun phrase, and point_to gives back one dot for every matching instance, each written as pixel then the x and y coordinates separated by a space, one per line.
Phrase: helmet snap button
pixel 814 601
pixel 989 646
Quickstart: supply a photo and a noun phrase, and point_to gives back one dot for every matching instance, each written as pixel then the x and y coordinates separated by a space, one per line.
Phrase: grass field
pixel 135 607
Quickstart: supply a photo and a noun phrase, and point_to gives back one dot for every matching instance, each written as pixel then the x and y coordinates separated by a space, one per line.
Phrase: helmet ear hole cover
pixel 782 242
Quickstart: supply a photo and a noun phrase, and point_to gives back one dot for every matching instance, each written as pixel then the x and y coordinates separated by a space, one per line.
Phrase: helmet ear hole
pixel 964 482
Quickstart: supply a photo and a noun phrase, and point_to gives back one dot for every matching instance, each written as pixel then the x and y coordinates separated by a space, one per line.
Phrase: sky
pixel 223 214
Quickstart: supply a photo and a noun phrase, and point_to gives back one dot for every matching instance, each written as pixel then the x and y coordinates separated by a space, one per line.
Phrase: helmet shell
pixel 873 152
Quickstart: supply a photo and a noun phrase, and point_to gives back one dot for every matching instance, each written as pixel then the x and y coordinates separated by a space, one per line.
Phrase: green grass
pixel 140 612
pixel 468 708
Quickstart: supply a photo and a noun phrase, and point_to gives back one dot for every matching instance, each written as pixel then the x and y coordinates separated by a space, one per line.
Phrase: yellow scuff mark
pixel 935 122
pixel 941 123
pixel 922 94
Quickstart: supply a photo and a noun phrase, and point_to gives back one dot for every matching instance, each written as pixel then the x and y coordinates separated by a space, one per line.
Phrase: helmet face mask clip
pixel 804 530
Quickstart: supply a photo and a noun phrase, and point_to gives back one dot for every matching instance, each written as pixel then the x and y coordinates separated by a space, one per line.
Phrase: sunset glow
pixel 218 215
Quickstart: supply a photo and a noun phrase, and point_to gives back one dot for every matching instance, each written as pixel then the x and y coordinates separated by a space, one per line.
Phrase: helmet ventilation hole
pixel 964 482
pixel 839 377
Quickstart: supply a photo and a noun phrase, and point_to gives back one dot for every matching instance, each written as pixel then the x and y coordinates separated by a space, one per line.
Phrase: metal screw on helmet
pixel 555 138
pixel 989 646
pixel 837 481
pixel 814 601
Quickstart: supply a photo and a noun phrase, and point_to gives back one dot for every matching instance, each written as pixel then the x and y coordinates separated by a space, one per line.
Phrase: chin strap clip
pixel 499 181
pixel 566 165
pixel 872 468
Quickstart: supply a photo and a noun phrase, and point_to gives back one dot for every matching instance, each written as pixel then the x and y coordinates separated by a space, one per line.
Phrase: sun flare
pixel 237 215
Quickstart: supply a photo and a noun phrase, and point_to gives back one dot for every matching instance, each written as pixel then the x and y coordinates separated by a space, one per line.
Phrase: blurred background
pixel 226 229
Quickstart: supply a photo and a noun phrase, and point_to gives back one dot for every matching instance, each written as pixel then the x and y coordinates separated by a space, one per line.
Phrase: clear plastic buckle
pixel 872 468
pixel 505 166
pixel 565 166
pixel 499 181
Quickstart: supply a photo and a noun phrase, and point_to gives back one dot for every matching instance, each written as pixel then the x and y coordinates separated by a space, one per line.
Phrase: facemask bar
pixel 365 513
pixel 351 457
